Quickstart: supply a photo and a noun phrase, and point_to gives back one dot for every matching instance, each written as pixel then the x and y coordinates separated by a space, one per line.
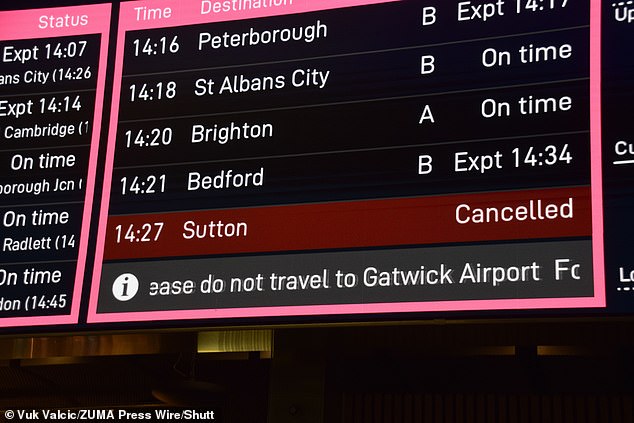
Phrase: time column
pixel 51 101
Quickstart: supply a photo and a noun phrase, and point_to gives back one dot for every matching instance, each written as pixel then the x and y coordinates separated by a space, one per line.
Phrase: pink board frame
pixel 188 13
pixel 23 24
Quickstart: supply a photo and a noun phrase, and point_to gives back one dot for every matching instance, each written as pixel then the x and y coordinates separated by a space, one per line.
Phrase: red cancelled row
pixel 529 214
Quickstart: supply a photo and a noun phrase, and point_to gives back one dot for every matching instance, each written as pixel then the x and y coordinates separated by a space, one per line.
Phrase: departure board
pixel 52 81
pixel 346 157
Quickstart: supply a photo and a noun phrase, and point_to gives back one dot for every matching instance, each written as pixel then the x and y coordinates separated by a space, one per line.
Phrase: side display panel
pixel 618 148
pixel 52 81
pixel 321 157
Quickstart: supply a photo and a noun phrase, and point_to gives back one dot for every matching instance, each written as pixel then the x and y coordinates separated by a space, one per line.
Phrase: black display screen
pixel 52 84
pixel 285 158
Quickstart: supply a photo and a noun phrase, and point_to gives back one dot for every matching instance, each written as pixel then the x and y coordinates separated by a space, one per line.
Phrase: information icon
pixel 125 287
